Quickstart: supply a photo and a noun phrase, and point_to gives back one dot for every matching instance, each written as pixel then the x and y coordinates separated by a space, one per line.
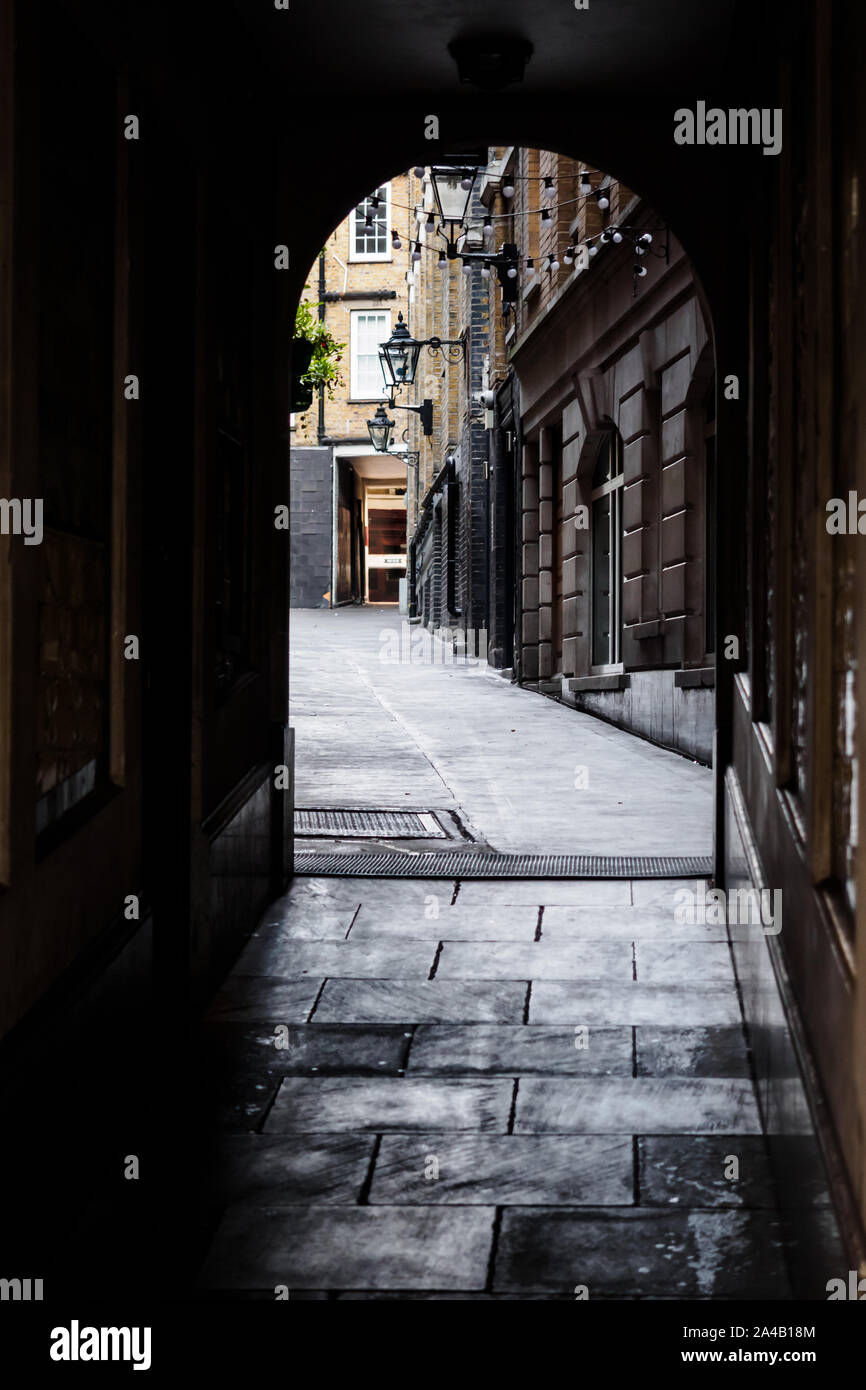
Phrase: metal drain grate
pixel 466 864
pixel 386 825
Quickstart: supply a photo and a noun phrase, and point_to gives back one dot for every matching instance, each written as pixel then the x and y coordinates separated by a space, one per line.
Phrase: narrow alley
pixel 474 1089
pixel 385 719
pixel 432 673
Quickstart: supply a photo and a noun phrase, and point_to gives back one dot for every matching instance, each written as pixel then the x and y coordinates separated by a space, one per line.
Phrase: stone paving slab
pixel 692 1052
pixel 346 959
pixel 428 1001
pixel 345 893
pixel 247 998
pixel 351 1248
pixel 444 1296
pixel 688 1170
pixel 623 923
pixel 641 1253
pixel 567 1001
pixel 459 923
pixel 577 892
pixel 240 1108
pixel 390 1103
pixel 584 960
pixel 517 1050
pixel 671 963
pixel 236 1052
pixel 284 1170
pixel 267 1295
pixel 643 1105
pixel 654 892
pixel 505 1170
pixel 307 923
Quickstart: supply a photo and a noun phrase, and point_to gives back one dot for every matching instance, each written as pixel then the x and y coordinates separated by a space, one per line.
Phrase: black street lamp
pixel 452 189
pixel 380 429
pixel 399 356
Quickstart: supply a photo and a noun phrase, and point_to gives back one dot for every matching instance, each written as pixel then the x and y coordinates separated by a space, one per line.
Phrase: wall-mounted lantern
pixel 381 430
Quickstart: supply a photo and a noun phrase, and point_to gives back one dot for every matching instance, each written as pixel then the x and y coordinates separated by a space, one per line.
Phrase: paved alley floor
pixel 386 717
pixel 486 1090
pixel 483 1090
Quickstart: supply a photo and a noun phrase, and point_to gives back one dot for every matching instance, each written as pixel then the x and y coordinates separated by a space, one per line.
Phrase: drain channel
pixel 374 825
pixel 468 865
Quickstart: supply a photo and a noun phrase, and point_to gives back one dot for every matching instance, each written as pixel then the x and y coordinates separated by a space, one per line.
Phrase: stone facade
pixel 585 353
pixel 603 363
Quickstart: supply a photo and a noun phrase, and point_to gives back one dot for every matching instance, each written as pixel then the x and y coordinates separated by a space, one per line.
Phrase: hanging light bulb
pixel 395 241
pixel 592 249
pixel 419 171
pixel 487 225
pixel 374 201
pixel 545 217
pixel 605 236
pixel 639 269
pixel 552 264
pixel 512 272
pixel 467 181
pixel 585 182
pixel 431 220
pixel 639 250
pixel 616 235
pixel 602 200
pixel 485 270
pixel 530 273
pixel 467 267
pixel 646 238
pixel 443 260
pixel 368 221
pixel 549 188
pixel 568 258
pixel 508 188
pixel 416 254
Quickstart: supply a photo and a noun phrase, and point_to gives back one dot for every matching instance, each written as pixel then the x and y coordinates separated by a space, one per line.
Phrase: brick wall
pixel 346 418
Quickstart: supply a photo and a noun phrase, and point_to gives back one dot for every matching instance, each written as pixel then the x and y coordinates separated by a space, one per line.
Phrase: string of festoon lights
pixel 641 239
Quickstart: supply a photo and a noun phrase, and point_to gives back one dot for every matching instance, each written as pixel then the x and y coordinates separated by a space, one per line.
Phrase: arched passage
pixel 515 533
pixel 137 875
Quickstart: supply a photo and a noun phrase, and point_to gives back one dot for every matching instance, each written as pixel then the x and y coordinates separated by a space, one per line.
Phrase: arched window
pixel 606 498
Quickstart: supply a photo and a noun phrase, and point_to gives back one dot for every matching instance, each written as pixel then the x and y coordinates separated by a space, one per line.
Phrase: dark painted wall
pixel 311 528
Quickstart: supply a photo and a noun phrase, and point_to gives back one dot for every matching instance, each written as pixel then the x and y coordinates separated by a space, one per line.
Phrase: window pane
pixel 616 565
pixel 602 471
pixel 710 545
pixel 601 581
pixel 370 331
pixel 373 240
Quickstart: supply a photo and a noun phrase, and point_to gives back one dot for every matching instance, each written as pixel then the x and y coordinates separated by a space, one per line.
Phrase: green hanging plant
pixel 324 370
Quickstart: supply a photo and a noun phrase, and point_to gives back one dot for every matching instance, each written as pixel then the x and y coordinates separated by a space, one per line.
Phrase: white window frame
pixel 386 255
pixel 354 385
